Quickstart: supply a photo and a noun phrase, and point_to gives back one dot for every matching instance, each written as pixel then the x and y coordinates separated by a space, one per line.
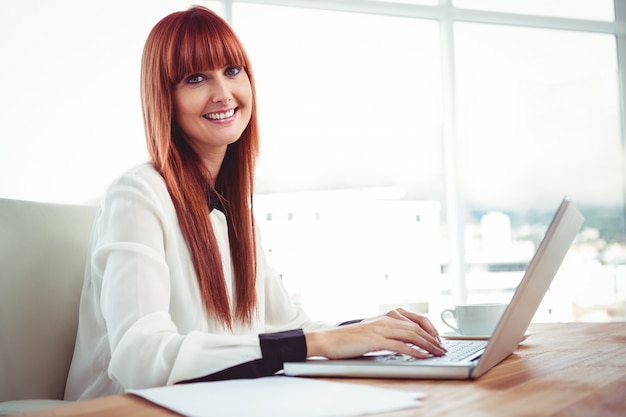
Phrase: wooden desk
pixel 568 370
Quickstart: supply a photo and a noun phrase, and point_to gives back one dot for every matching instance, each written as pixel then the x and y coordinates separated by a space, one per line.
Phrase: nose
pixel 221 91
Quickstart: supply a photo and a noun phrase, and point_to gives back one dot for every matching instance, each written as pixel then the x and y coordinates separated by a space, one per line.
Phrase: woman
pixel 176 287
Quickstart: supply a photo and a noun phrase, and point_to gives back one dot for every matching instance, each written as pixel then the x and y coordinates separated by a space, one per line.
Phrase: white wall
pixel 69 80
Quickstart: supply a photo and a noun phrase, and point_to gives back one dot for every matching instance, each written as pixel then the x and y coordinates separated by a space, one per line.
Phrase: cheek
pixel 183 119
pixel 243 90
pixel 177 108
pixel 246 95
pixel 180 120
pixel 186 102
pixel 184 111
pixel 249 94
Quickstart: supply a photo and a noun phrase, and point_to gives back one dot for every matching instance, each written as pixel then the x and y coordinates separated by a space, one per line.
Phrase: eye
pixel 232 71
pixel 195 79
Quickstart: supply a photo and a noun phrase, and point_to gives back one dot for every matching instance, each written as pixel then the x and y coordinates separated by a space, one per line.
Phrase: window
pixel 412 151
pixel 336 107
pixel 536 117
pixel 575 9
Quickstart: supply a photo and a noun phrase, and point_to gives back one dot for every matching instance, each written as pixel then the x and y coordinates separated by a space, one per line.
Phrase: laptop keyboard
pixel 458 350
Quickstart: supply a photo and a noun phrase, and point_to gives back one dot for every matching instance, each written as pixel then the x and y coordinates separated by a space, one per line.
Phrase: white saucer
pixel 456 336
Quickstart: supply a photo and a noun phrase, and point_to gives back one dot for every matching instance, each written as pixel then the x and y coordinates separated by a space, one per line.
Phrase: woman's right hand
pixel 398 331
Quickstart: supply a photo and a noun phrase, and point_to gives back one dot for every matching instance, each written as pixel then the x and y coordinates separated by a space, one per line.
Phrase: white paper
pixel 279 396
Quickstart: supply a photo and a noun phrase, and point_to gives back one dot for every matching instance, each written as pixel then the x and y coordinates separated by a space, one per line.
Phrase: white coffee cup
pixel 474 319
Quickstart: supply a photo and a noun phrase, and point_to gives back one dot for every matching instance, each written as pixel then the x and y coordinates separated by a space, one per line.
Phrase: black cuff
pixel 278 348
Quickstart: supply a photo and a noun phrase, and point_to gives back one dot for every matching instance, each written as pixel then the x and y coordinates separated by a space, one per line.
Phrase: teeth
pixel 220 116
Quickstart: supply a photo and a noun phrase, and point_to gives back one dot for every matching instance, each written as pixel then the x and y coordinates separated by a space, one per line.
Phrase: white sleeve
pixel 132 258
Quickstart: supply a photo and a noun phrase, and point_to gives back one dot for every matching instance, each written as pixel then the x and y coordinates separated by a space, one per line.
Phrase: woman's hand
pixel 398 331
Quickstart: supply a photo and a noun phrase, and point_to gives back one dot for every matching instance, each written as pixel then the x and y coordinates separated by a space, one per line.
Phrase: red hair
pixel 181 44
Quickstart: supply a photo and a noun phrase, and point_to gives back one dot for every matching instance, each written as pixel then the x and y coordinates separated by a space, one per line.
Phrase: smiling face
pixel 212 108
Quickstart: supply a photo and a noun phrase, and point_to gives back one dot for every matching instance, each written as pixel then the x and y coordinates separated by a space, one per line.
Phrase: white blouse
pixel 142 322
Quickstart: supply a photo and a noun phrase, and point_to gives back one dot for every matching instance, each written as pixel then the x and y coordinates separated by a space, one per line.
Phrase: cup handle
pixel 443 319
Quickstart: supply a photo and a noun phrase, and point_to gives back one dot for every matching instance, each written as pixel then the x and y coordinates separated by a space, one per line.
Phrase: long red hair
pixel 181 44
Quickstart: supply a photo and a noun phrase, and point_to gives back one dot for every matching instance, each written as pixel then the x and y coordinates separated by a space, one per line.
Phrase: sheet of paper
pixel 279 396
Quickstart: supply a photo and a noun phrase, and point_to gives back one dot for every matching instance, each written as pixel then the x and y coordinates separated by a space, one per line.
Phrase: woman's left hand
pixel 398 331
pixel 422 321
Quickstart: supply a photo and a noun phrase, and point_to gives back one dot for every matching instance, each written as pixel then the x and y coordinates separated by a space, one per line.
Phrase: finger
pixel 421 349
pixel 414 335
pixel 409 350
pixel 430 329
pixel 423 321
pixel 429 344
pixel 419 327
pixel 397 314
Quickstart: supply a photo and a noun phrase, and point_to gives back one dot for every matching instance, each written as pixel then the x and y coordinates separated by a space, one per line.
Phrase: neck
pixel 213 163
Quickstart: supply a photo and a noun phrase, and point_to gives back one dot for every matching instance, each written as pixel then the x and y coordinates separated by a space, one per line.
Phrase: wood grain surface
pixel 562 369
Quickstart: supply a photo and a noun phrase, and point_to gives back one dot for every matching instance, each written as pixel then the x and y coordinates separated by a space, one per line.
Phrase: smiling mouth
pixel 220 115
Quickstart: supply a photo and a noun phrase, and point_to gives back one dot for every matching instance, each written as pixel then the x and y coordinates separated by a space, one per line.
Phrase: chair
pixel 42 258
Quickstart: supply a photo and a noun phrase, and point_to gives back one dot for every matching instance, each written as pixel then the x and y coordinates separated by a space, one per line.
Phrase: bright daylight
pixel 417 159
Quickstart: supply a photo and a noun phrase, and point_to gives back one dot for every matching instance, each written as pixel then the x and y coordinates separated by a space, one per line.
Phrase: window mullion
pixel 620 19
pixel 453 194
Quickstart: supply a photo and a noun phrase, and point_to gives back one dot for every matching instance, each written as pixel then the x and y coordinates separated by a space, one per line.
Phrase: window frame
pixel 446 14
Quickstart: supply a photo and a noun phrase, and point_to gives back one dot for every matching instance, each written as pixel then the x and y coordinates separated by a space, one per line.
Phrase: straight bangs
pixel 203 42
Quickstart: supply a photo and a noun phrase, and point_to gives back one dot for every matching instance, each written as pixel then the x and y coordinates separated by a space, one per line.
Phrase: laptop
pixel 482 355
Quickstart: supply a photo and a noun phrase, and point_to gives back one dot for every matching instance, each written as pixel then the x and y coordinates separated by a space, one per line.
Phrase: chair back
pixel 42 258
